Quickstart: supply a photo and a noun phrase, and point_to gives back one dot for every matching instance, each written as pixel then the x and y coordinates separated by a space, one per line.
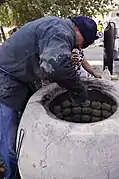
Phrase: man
pixel 82 67
pixel 40 49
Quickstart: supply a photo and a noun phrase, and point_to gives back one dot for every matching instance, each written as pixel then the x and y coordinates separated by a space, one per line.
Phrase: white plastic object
pixel 106 74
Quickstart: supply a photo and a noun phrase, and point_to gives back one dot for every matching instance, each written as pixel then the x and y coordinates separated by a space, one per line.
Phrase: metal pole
pixel 109 40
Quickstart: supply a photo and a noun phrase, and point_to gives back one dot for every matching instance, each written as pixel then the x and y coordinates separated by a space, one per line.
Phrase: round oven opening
pixel 99 106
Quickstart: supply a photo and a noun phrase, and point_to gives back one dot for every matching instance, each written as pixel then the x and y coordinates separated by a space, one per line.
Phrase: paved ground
pixel 94 55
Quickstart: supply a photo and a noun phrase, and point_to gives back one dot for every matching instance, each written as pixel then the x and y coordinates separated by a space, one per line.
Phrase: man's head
pixel 86 31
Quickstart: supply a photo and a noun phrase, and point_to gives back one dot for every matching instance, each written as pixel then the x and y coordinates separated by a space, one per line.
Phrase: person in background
pixel 82 67
pixel 100 26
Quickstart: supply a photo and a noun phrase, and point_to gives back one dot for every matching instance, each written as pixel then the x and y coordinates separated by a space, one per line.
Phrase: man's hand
pixel 97 75
pixel 89 69
pixel 65 75
pixel 78 98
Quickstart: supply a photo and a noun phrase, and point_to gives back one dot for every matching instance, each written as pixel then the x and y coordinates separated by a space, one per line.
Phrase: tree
pixel 2 1
pixel 22 11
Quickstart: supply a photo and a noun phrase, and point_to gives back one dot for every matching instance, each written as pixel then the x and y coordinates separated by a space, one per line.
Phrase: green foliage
pixel 6 15
pixel 22 11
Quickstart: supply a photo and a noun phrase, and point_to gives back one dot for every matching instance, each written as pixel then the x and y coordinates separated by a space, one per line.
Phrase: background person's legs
pixel 8 130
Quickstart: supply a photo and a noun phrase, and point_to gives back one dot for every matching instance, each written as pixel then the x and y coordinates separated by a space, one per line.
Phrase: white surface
pixel 55 149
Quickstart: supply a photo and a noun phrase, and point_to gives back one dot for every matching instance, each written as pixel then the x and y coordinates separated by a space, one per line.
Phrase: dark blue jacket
pixel 34 44
pixel 38 49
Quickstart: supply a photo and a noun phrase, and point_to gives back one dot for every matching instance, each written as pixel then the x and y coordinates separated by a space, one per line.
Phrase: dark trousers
pixel 8 130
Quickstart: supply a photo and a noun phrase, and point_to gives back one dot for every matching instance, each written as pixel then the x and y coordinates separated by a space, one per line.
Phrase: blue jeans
pixel 8 130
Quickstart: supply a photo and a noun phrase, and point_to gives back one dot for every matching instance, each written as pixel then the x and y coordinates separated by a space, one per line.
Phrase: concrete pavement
pixel 94 55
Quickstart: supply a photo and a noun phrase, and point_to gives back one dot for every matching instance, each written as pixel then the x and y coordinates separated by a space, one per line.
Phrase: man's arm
pixel 89 69
pixel 57 55
pixel 78 59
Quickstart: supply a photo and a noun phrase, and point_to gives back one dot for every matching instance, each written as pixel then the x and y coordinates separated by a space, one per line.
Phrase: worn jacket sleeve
pixel 57 56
